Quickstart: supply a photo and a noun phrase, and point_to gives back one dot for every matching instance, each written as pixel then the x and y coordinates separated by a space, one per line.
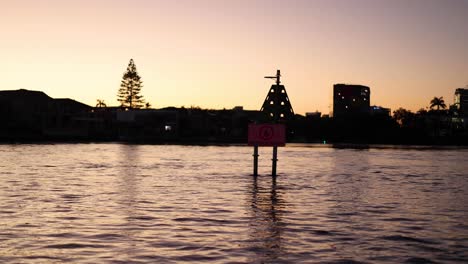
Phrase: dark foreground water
pixel 113 203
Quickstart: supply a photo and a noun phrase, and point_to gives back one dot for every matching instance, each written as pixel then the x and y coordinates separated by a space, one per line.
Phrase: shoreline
pixel 340 145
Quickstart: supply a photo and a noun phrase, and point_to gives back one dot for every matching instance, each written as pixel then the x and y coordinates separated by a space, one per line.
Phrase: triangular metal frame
pixel 277 105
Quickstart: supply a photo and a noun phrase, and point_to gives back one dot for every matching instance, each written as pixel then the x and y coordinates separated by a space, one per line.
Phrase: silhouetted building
pixel 315 115
pixel 350 100
pixel 28 114
pixel 148 124
pixel 68 119
pixel 461 101
pixel 277 106
pixel 23 113
pixel 379 111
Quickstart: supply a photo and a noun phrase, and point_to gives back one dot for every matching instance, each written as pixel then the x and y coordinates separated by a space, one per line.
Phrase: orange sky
pixel 214 54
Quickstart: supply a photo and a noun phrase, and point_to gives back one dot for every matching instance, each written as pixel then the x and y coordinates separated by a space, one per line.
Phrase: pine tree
pixel 130 87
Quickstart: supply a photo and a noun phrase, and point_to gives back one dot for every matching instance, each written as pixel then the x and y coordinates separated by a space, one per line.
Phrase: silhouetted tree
pixel 130 87
pixel 147 105
pixel 403 116
pixel 100 103
pixel 438 102
pixel 421 111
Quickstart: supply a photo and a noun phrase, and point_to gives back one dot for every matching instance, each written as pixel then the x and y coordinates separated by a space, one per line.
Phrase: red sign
pixel 267 135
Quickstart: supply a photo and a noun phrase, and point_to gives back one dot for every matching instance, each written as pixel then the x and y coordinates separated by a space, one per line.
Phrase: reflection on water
pixel 266 225
pixel 113 203
pixel 128 197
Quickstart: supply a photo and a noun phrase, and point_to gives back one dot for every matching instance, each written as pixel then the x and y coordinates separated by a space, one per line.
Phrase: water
pixel 116 203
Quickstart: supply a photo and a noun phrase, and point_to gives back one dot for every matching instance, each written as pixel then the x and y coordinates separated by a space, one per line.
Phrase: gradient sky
pixel 214 53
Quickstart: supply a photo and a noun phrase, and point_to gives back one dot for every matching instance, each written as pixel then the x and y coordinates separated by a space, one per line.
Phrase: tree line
pixel 437 106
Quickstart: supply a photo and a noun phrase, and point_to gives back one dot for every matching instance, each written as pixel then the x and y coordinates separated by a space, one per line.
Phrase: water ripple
pixel 113 203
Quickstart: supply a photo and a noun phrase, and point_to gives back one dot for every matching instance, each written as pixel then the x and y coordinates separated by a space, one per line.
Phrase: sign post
pixel 255 155
pixel 274 160
pixel 266 135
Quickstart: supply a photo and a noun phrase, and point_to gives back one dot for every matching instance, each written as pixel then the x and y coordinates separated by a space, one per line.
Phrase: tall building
pixel 461 101
pixel 350 100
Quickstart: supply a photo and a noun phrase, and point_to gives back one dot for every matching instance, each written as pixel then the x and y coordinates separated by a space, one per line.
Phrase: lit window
pixel 271 102
pixel 167 128
pixel 339 93
pixel 282 103
pixel 346 107
pixel 342 97
pixel 282 91
pixel 272 90
pixel 282 115
pixel 354 100
pixel 365 99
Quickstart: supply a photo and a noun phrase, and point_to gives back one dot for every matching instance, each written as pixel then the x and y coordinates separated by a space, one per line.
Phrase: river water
pixel 118 203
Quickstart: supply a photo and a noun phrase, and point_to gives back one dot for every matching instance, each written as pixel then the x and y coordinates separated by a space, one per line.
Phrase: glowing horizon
pixel 214 54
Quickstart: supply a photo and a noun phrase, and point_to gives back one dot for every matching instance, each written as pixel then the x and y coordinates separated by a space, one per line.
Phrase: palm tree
pixel 100 103
pixel 438 102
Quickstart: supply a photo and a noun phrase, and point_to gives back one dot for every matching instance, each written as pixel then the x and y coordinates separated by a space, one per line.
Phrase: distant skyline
pixel 214 54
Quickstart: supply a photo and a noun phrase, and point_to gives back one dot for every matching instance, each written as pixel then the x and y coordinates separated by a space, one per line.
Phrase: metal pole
pixel 255 155
pixel 274 160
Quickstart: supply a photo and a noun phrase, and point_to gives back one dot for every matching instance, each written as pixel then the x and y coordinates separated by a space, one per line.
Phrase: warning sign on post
pixel 267 135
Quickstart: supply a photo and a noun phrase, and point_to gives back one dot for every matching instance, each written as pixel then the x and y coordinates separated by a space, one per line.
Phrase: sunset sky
pixel 214 53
